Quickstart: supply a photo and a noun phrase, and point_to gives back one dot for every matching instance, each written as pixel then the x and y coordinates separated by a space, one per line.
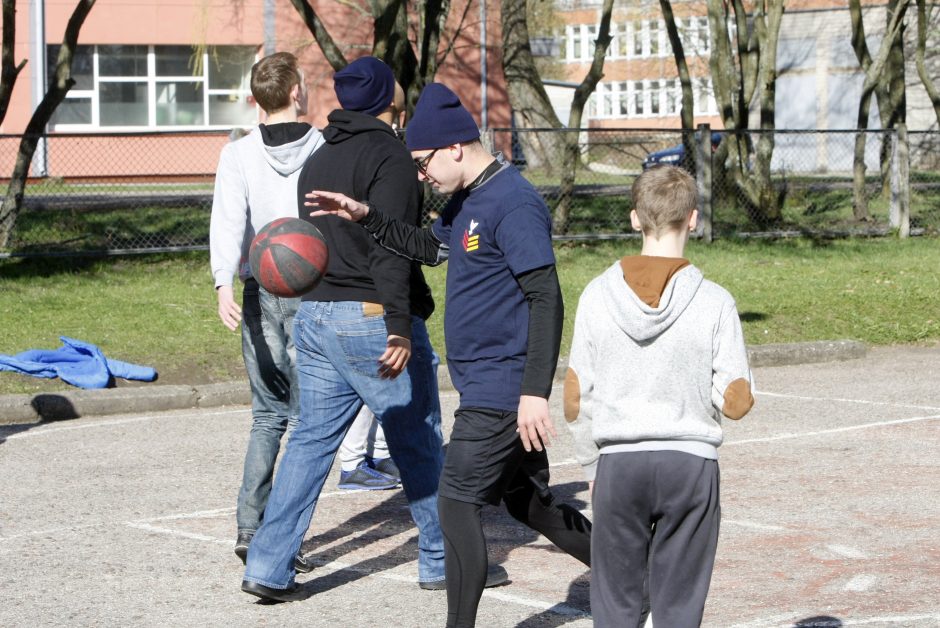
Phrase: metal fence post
pixel 703 176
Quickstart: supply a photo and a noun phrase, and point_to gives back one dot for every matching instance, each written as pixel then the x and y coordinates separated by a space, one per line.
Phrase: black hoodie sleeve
pixel 407 240
pixel 394 185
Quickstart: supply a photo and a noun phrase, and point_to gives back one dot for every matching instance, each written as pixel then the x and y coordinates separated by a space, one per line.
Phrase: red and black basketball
pixel 288 257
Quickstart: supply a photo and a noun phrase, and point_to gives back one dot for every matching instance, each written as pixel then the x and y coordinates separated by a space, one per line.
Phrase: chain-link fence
pixel 114 193
pixel 121 193
pixel 777 183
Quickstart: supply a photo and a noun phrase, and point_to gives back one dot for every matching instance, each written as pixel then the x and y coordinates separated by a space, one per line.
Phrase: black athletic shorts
pixel 485 458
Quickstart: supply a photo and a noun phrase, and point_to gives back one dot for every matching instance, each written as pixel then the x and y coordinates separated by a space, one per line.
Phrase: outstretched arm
pixel 415 243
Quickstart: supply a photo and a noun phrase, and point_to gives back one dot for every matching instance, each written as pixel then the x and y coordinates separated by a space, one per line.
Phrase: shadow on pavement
pixel 49 407
pixel 578 598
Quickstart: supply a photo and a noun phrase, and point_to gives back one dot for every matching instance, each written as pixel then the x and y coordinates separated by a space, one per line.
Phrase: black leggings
pixel 529 501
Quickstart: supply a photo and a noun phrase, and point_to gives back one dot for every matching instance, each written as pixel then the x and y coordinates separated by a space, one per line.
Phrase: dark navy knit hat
pixel 439 120
pixel 365 85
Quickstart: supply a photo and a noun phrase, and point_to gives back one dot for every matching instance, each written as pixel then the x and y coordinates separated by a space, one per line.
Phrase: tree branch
pixel 9 70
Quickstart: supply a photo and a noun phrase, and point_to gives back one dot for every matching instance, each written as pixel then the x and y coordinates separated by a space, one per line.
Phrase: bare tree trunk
pixel 9 69
pixel 413 69
pixel 929 85
pixel 736 79
pixel 892 92
pixel 334 56
pixel 530 104
pixel 572 153
pixel 13 201
pixel 687 111
pixel 874 83
pixel 770 199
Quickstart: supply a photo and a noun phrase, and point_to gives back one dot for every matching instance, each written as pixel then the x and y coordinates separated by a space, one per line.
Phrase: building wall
pixel 226 23
pixel 819 79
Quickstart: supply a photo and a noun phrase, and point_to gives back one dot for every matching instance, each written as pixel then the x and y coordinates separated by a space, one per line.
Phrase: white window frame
pixel 151 80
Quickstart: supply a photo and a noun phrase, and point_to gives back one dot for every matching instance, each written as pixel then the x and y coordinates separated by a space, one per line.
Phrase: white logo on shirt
pixel 473 225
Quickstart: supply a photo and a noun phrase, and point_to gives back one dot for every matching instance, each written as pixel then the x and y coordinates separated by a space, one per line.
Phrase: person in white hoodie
pixel 657 358
pixel 256 183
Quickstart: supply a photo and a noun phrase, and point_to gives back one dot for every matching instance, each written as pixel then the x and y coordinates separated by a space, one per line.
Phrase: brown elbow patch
pixel 738 399
pixel 572 396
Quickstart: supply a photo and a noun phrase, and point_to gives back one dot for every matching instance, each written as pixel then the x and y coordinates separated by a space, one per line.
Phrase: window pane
pixel 73 111
pixel 82 65
pixel 654 97
pixel 234 110
pixel 638 98
pixel 123 104
pixel 174 60
pixel 122 60
pixel 638 38
pixel 672 98
pixel 230 67
pixel 179 103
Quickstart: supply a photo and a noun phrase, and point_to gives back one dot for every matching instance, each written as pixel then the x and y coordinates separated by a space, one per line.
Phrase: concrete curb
pixel 17 409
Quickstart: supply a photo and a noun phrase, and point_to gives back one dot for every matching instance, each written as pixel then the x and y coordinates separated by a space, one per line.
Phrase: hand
pixel 535 425
pixel 336 204
pixel 395 358
pixel 229 311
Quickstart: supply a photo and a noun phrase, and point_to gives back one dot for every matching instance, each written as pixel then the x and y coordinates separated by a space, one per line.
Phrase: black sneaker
pixel 301 563
pixel 242 541
pixel 293 593
pixel 496 576
pixel 388 467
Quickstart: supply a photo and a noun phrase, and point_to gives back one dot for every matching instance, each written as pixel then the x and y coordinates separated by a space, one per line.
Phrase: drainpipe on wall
pixel 37 56
pixel 483 106
pixel 269 34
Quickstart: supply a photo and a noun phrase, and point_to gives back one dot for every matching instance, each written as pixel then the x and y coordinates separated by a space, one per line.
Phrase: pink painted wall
pixel 225 22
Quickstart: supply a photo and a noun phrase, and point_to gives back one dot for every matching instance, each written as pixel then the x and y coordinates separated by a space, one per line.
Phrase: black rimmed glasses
pixel 422 162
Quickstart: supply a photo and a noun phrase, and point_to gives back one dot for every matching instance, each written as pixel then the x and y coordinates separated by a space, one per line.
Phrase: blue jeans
pixel 268 350
pixel 337 364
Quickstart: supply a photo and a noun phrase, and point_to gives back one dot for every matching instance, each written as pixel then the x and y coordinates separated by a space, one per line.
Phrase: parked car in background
pixel 675 155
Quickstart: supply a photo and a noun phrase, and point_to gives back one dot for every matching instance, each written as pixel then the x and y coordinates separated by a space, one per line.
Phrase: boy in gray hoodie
pixel 657 358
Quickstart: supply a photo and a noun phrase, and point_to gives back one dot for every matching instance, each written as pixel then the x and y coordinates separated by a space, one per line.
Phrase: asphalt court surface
pixel 830 517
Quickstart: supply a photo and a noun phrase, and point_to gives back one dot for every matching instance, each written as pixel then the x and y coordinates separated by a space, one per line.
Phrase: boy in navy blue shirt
pixel 502 328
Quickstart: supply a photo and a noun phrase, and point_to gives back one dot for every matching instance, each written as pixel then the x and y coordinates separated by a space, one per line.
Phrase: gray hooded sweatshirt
pixel 645 378
pixel 255 183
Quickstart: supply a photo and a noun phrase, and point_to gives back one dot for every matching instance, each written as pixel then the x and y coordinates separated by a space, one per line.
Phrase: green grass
pixel 160 310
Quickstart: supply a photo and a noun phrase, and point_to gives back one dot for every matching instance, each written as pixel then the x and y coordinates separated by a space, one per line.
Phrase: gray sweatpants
pixel 655 511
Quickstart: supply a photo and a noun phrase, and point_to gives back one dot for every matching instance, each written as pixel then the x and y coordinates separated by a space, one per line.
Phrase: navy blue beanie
pixel 365 85
pixel 439 120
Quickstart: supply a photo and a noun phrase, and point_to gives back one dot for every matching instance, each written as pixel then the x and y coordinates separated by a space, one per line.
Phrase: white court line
pixel 39 431
pixel 837 430
pixel 51 531
pixel 847 551
pixel 180 533
pixel 753 525
pixel 842 400
pixel 860 583
pixel 335 566
pixel 42 431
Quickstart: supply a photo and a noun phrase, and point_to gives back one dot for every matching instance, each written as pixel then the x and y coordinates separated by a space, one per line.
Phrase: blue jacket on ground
pixel 77 363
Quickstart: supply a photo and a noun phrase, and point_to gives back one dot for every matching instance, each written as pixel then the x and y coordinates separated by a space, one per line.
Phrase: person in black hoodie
pixel 361 338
